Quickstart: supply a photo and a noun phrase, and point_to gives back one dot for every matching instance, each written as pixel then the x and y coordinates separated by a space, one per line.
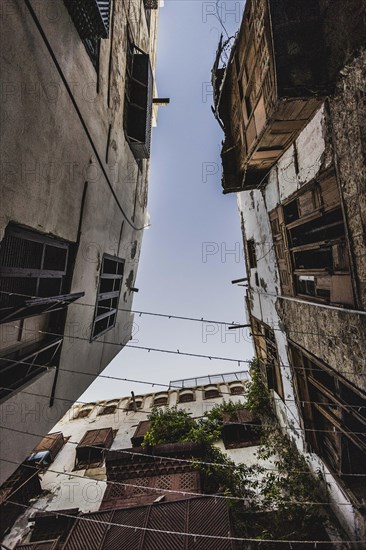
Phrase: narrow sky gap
pixel 187 210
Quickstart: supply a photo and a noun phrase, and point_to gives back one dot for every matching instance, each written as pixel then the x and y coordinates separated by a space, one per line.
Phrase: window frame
pixel 18 247
pixel 320 395
pixel 140 148
pixel 317 205
pixel 95 447
pixel 109 295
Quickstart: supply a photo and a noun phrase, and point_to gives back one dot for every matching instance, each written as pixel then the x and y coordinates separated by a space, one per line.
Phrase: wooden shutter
pixel 52 443
pixel 280 244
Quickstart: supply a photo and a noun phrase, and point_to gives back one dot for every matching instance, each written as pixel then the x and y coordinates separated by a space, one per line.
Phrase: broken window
pixel 310 243
pixel 90 450
pixel 109 290
pixel 334 418
pixel 138 100
pixel 252 258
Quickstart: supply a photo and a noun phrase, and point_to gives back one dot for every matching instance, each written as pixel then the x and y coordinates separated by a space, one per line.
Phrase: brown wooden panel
pixel 341 291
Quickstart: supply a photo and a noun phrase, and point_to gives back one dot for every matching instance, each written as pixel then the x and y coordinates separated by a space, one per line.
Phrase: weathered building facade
pixel 77 109
pixel 291 101
pixel 94 468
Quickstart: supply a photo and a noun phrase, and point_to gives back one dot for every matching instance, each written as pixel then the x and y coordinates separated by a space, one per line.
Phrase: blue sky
pixel 178 273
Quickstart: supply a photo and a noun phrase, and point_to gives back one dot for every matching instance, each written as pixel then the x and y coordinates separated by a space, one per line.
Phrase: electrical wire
pixel 184 460
pixel 196 319
pixel 175 491
pixel 184 534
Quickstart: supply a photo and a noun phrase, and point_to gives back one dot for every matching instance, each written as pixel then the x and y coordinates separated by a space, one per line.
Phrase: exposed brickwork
pixel 335 337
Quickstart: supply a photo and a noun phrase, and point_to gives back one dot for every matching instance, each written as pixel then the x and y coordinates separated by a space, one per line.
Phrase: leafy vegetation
pixel 286 490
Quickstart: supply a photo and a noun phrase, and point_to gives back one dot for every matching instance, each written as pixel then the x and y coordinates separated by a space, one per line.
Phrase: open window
pixel 140 432
pixel 109 290
pixel 47 449
pixel 334 419
pixel 90 450
pixel 138 101
pixel 311 245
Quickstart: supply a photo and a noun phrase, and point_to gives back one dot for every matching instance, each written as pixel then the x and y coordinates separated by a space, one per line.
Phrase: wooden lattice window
pixel 237 389
pixel 186 396
pixel 138 100
pixel 211 393
pixel 34 274
pixel 109 290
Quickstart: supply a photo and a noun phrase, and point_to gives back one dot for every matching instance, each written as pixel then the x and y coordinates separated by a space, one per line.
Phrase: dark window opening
pixel 83 413
pixel 110 283
pixel 91 449
pixel 140 432
pixel 291 212
pixel 107 409
pixel 318 258
pixel 252 258
pixel 327 227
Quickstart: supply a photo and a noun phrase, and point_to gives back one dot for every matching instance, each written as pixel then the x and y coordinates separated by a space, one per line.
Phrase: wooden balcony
pixel 283 64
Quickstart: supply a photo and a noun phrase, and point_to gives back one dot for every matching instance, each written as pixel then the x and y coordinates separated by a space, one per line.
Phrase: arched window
pixel 186 396
pixel 211 392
